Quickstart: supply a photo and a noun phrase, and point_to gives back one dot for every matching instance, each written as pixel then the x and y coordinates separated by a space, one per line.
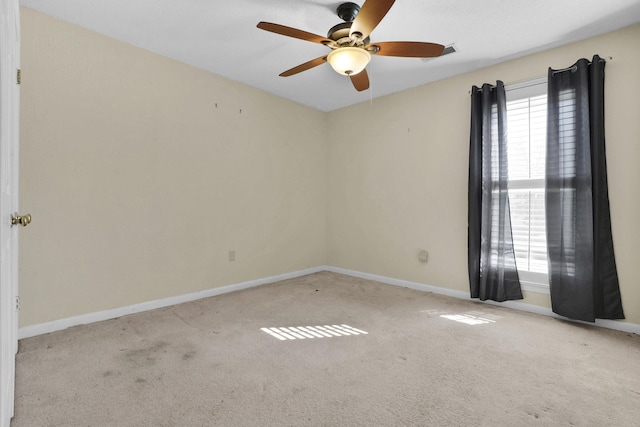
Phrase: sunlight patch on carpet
pixel 310 332
pixel 468 319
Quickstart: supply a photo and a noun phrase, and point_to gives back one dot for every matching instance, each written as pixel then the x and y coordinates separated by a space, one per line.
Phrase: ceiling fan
pixel 351 48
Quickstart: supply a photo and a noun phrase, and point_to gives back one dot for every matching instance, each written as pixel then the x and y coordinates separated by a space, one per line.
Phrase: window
pixel 527 131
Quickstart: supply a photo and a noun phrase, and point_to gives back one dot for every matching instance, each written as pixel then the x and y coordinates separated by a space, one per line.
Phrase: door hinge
pixel 19 76
pixel 17 303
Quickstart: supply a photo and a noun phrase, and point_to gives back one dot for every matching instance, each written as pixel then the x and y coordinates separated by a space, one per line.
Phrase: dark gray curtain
pixel 492 262
pixel 582 268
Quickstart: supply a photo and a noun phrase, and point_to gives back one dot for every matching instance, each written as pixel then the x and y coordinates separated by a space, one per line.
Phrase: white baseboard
pixel 58 325
pixel 83 319
pixel 399 282
pixel 531 308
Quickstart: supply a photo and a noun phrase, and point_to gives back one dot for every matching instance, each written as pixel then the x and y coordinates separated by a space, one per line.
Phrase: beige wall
pixel 397 173
pixel 141 173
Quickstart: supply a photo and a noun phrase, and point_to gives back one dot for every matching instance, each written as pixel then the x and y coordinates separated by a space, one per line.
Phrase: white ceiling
pixel 221 37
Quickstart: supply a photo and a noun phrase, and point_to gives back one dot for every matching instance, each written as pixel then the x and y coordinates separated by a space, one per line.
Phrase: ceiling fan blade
pixel 369 16
pixel 360 81
pixel 408 49
pixel 304 67
pixel 293 32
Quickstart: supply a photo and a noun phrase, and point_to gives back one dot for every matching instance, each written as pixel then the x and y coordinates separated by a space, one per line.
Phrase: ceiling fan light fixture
pixel 349 60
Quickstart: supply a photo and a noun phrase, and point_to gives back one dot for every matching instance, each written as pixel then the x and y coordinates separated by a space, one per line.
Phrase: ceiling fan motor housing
pixel 341 33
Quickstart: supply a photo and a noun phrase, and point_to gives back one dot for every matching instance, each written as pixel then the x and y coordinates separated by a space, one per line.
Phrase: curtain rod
pixel 573 67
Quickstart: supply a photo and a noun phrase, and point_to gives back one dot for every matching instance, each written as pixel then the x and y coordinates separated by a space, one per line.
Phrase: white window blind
pixel 527 128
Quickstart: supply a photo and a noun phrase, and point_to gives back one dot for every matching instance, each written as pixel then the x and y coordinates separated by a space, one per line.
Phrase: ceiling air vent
pixel 447 50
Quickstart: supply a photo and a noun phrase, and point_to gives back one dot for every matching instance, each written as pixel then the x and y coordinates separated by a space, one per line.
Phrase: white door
pixel 9 134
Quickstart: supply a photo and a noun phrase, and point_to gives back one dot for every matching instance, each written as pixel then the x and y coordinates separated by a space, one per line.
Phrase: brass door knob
pixel 21 220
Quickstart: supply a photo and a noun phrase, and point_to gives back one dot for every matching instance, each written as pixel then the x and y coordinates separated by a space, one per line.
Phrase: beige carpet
pixel 208 363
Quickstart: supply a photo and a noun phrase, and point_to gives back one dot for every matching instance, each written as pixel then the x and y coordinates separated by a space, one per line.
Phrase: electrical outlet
pixel 232 255
pixel 423 256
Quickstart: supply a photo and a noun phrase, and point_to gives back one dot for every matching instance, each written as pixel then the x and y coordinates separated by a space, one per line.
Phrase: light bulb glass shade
pixel 349 60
